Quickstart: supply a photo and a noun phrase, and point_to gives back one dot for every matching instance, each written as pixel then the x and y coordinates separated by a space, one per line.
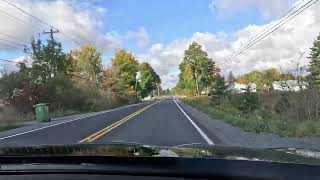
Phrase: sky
pixel 158 32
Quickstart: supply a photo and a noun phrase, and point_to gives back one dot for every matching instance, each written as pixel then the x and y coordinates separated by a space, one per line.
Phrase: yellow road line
pixel 104 131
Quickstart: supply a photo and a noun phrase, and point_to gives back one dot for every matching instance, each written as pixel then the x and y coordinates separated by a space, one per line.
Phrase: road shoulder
pixel 233 136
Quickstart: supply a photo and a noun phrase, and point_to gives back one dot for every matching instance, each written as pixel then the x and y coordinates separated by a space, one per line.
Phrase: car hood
pixel 291 155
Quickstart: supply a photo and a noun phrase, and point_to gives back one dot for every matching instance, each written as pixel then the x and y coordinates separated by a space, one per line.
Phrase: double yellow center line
pixel 106 130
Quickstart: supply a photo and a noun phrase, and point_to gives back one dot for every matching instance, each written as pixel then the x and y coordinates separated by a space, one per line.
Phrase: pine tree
pixel 314 66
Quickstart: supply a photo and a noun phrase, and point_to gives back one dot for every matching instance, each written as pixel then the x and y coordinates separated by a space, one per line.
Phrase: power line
pixel 266 33
pixel 9 41
pixel 8 45
pixel 6 60
pixel 11 4
pixel 273 24
pixel 12 37
pixel 277 26
pixel 25 22
pixel 41 21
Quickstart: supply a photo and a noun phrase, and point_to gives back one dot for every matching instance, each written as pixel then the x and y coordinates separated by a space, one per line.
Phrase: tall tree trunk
pixel 196 77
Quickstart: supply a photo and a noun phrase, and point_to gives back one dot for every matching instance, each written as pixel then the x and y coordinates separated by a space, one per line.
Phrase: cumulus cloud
pixel 13 67
pixel 276 51
pixel 77 23
pixel 267 8
pixel 165 59
pixel 76 19
pixel 141 36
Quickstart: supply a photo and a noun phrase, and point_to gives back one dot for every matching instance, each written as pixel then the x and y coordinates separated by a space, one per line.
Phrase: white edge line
pixel 204 136
pixel 52 125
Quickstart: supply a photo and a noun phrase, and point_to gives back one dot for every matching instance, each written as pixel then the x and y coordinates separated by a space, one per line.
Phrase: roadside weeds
pixel 255 123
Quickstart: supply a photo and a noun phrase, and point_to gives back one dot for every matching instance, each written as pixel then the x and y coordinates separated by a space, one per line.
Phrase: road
pixel 163 123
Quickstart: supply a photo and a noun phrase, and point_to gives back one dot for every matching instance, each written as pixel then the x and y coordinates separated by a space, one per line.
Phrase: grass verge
pixel 255 123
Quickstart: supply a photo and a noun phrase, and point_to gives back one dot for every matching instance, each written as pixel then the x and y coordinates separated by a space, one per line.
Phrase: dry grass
pixel 255 122
pixel 10 118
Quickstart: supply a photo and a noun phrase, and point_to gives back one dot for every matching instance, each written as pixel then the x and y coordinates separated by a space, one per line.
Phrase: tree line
pixel 76 80
pixel 199 74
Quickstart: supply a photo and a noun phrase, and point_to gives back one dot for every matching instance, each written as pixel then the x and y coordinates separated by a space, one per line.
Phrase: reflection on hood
pixel 136 150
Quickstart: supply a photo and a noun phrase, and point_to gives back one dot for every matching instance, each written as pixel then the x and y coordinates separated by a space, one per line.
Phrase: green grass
pixel 255 123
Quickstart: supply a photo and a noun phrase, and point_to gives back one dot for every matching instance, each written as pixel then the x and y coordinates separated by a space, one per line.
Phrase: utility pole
pixel 51 32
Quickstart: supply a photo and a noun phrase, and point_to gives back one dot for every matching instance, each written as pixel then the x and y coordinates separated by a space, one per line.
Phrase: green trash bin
pixel 42 112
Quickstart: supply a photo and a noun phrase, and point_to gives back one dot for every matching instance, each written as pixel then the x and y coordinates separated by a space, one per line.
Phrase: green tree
pixel 314 66
pixel 48 60
pixel 186 84
pixel 149 79
pixel 249 101
pixel 125 68
pixel 197 62
pixel 88 63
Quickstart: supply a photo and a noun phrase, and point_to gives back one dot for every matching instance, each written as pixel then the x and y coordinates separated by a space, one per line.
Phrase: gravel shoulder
pixel 226 134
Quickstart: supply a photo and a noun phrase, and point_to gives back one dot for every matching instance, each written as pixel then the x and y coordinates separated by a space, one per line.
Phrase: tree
pixel 48 59
pixel 149 79
pixel 186 84
pixel 108 79
pixel 314 66
pixel 249 101
pixel 124 67
pixel 197 64
pixel 88 64
pixel 231 78
pixel 218 85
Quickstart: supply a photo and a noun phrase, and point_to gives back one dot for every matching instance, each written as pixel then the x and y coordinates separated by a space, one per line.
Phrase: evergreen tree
pixel 314 66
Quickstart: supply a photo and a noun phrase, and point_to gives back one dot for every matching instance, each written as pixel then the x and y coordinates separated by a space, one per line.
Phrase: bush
pixel 260 121
pixel 10 117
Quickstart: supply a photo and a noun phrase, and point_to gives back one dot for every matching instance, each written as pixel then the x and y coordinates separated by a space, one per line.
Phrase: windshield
pixel 211 73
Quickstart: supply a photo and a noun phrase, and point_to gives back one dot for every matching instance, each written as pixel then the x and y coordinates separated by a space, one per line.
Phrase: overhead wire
pixel 16 18
pixel 13 37
pixel 8 45
pixel 41 21
pixel 9 41
pixel 6 60
pixel 272 25
pixel 274 28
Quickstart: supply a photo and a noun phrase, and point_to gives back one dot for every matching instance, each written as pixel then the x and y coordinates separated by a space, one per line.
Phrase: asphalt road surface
pixel 162 122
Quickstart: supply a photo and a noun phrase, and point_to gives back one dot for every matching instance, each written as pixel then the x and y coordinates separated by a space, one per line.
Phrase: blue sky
pixel 164 20
pixel 158 32
pixel 168 20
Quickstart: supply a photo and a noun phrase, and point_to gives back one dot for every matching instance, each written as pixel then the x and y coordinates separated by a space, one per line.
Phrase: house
pixel 241 88
pixel 147 98
pixel 289 85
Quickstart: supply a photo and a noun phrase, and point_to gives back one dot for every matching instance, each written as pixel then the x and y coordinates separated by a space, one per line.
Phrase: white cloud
pixel 9 67
pixel 165 59
pixel 267 8
pixel 276 51
pixel 141 36
pixel 76 19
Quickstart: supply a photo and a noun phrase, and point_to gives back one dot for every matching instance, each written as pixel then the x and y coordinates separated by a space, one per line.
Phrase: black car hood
pixel 290 155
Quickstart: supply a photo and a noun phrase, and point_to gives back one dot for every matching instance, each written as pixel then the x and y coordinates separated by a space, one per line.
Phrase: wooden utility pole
pixel 51 32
